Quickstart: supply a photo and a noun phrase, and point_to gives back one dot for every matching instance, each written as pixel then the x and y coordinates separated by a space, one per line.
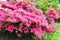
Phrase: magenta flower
pixel 52 13
pixel 19 35
pixel 0 26
pixel 9 5
pixel 38 32
pixel 10 28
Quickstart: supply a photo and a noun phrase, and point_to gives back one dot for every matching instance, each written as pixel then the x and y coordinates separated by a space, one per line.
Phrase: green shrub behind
pixel 45 4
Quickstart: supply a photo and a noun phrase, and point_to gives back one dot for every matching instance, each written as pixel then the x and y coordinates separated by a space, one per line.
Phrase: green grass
pixel 45 4
pixel 56 35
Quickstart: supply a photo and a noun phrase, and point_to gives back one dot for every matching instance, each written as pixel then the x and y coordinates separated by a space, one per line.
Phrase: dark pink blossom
pixel 0 26
pixel 38 32
pixel 10 28
pixel 19 35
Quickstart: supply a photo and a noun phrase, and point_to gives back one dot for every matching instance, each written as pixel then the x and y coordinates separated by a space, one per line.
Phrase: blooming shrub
pixel 24 18
pixel 52 15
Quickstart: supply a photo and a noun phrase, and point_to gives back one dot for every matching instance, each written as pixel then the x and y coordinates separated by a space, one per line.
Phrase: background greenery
pixel 45 4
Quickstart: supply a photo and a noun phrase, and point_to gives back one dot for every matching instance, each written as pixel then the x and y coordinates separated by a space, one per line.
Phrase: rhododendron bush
pixel 24 18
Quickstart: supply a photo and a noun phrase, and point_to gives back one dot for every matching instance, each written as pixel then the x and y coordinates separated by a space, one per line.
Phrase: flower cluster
pixel 52 15
pixel 23 17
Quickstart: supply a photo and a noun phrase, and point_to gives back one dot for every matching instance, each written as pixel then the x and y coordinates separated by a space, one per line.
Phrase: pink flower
pixel 51 21
pixel 0 26
pixel 49 30
pixel 20 28
pixel 34 37
pixel 26 30
pixel 10 28
pixel 19 35
pixel 3 17
pixel 3 12
pixel 8 5
pixel 38 32
pixel 52 13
